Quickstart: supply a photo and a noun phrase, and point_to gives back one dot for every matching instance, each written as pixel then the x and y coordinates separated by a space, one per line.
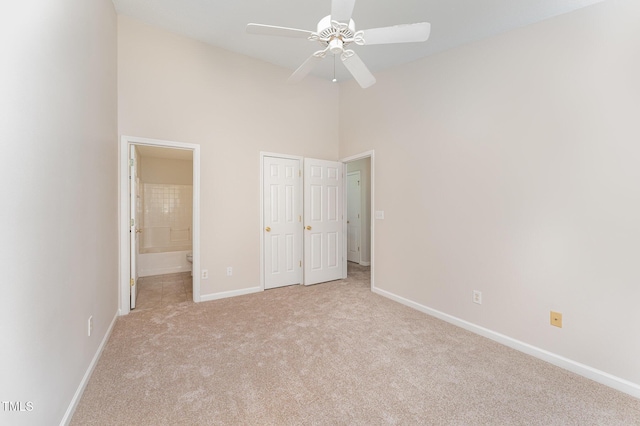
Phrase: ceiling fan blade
pixel 304 69
pixel 358 69
pixel 341 10
pixel 272 30
pixel 397 34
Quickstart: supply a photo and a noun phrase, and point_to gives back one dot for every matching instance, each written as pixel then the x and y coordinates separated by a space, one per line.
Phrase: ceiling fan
pixel 336 31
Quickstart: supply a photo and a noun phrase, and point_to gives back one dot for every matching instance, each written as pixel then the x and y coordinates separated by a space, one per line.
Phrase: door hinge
pixel 132 282
pixel 358 248
pixel 301 263
pixel 131 162
pixel 132 222
pixel 299 218
pixel 299 173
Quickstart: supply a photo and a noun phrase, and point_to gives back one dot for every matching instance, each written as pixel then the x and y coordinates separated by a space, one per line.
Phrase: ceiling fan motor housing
pixel 335 36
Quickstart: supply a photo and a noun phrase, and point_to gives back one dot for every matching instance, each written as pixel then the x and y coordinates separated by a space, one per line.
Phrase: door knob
pixel 308 228
pixel 138 231
pixel 267 229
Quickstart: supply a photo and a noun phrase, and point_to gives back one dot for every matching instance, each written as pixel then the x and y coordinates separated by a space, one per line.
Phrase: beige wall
pixel 166 170
pixel 174 88
pixel 58 134
pixel 512 166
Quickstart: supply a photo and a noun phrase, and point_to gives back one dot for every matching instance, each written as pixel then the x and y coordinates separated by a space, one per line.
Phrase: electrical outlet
pixel 477 297
pixel 90 326
pixel 205 274
pixel 229 271
pixel 556 319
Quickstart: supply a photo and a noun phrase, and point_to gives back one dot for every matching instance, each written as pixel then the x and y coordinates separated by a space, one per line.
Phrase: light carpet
pixel 329 354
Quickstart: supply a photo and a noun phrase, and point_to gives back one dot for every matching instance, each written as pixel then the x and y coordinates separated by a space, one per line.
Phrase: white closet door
pixel 323 244
pixel 282 222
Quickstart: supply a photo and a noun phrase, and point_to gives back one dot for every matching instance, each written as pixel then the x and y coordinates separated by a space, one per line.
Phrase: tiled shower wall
pixel 167 217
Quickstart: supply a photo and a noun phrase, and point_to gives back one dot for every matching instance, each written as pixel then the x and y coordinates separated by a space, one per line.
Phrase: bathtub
pixel 170 262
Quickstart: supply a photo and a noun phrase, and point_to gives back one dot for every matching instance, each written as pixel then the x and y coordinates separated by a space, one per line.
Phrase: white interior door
pixel 323 245
pixel 354 221
pixel 282 219
pixel 133 230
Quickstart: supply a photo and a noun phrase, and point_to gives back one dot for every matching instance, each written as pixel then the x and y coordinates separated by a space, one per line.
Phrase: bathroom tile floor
pixel 163 290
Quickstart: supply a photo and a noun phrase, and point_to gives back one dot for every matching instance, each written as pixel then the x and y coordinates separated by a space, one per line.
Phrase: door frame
pixel 371 155
pixel 134 240
pixel 367 154
pixel 124 213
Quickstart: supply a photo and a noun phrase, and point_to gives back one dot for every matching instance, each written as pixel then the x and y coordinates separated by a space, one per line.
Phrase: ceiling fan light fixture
pixel 335 46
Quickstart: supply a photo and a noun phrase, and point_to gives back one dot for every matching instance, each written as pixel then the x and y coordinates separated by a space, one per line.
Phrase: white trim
pixel 594 374
pixel 345 228
pixel 123 218
pixel 87 375
pixel 261 208
pixel 372 155
pixel 365 263
pixel 231 293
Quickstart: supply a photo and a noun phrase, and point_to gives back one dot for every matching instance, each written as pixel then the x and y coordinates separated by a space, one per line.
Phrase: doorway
pixel 359 212
pixel 354 216
pixel 161 242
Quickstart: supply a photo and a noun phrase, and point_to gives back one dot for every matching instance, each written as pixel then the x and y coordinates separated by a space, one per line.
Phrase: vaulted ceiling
pixel 453 23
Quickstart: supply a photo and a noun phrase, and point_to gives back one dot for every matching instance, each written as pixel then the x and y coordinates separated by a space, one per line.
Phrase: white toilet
pixel 190 260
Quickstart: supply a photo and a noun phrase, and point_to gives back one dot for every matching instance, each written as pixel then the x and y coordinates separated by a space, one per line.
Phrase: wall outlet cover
pixel 556 319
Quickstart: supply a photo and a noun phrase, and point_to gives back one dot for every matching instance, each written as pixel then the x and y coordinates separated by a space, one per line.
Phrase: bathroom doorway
pixel 159 223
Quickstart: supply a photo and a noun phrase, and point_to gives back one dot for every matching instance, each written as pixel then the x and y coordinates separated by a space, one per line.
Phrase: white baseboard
pixel 225 294
pixel 87 375
pixel 594 374
pixel 365 263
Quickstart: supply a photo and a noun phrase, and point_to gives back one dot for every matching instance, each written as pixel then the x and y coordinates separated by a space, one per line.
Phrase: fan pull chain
pixel 334 69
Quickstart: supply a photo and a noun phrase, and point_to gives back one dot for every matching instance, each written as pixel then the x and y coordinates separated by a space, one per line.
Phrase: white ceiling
pixel 453 23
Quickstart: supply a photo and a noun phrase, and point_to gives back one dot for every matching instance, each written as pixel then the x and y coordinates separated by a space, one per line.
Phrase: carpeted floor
pixel 335 354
